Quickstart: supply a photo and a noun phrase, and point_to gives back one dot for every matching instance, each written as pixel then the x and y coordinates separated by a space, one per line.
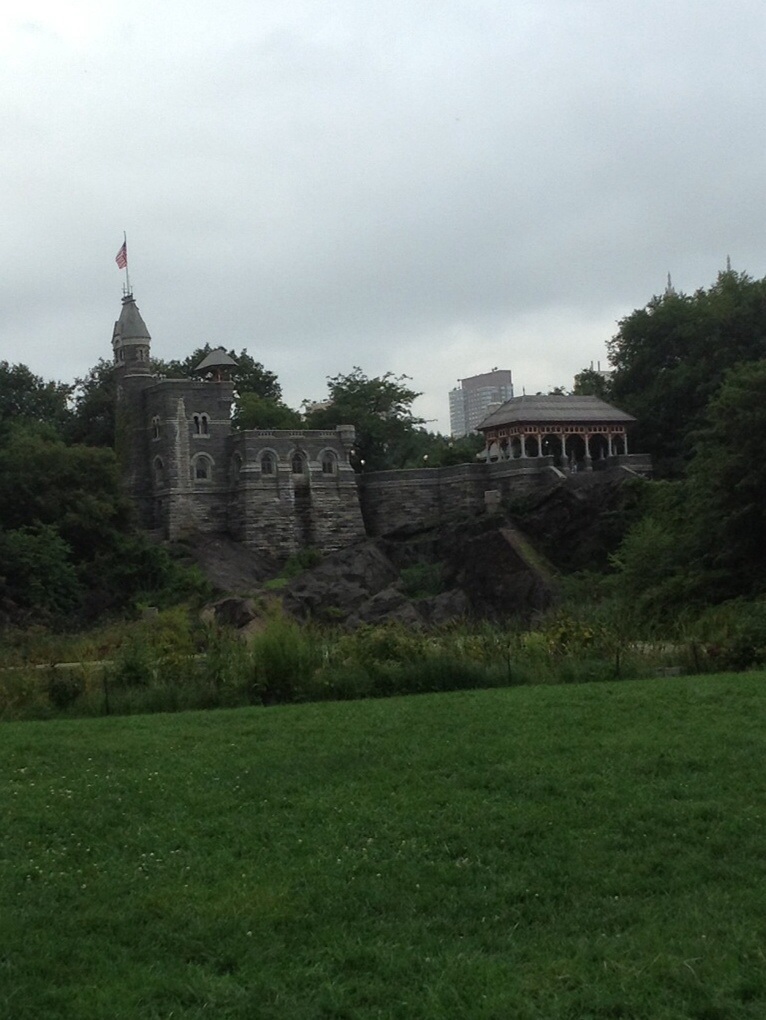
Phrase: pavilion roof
pixel 554 409
pixel 217 358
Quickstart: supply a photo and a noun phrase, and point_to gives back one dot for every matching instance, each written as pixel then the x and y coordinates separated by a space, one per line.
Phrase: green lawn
pixel 594 851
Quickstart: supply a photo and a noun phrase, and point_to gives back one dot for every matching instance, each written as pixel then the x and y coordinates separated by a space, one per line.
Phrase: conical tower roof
pixel 130 325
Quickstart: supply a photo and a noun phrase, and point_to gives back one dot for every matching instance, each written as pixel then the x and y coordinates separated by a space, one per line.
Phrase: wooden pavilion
pixel 577 432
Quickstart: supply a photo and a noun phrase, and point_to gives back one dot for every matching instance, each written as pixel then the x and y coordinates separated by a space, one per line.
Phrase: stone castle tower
pixel 189 472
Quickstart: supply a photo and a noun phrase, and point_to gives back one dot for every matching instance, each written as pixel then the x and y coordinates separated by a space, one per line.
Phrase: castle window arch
pixel 298 463
pixel 156 427
pixel 202 468
pixel 268 463
pixel 329 462
pixel 201 424
pixel 159 472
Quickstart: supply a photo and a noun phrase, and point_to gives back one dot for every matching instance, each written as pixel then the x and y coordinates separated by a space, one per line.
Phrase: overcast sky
pixel 430 187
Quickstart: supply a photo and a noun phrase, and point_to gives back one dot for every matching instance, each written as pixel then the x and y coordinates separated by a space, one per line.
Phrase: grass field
pixel 594 851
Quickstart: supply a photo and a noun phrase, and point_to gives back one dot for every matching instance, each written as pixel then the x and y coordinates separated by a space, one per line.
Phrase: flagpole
pixel 127 269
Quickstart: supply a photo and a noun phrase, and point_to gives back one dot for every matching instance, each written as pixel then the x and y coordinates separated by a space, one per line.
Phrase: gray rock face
pixel 492 573
pixel 499 578
pixel 388 606
pixel 441 609
pixel 233 611
pixel 337 587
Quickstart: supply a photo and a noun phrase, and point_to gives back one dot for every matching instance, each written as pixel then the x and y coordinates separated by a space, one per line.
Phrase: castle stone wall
pixel 427 496
pixel 281 510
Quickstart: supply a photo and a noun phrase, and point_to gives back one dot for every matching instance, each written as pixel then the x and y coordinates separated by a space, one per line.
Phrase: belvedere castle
pixel 189 472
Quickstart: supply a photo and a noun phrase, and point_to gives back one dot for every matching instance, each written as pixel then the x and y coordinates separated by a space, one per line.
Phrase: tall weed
pixel 284 658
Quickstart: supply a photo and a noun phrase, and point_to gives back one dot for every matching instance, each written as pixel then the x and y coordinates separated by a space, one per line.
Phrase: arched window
pixel 298 463
pixel 159 472
pixel 155 427
pixel 329 463
pixel 268 464
pixel 201 424
pixel 202 468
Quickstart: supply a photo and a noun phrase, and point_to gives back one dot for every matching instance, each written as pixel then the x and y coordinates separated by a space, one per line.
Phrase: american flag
pixel 122 256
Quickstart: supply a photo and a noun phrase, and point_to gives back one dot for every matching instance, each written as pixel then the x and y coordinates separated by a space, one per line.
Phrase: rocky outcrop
pixel 487 570
pixel 337 588
pixel 579 522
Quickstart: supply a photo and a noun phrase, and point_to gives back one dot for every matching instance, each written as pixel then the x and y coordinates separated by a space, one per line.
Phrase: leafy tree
pixel 24 395
pixel 72 488
pixel 671 356
pixel 590 383
pixel 381 411
pixel 37 568
pixel 727 481
pixel 420 448
pixel 95 397
pixel 256 412
pixel 702 540
pixel 658 562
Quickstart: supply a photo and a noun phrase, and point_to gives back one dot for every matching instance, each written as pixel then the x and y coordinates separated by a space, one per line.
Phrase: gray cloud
pixel 430 188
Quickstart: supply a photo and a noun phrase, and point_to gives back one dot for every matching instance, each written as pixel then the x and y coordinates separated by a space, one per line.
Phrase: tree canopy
pixel 253 411
pixel 26 396
pixel 670 359
pixel 93 417
pixel 381 411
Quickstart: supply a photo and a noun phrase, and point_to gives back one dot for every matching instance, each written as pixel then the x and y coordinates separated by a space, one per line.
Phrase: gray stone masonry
pixel 293 489
pixel 427 496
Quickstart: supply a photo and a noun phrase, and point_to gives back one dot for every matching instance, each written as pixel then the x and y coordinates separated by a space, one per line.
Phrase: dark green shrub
pixel 440 672
pixel 345 681
pixel 733 635
pixel 422 580
pixel 65 686
pixel 133 666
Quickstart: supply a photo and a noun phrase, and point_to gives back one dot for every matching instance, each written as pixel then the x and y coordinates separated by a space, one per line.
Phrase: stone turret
pixel 131 346
pixel 131 340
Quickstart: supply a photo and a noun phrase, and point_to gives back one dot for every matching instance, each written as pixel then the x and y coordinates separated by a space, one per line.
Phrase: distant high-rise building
pixel 476 397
